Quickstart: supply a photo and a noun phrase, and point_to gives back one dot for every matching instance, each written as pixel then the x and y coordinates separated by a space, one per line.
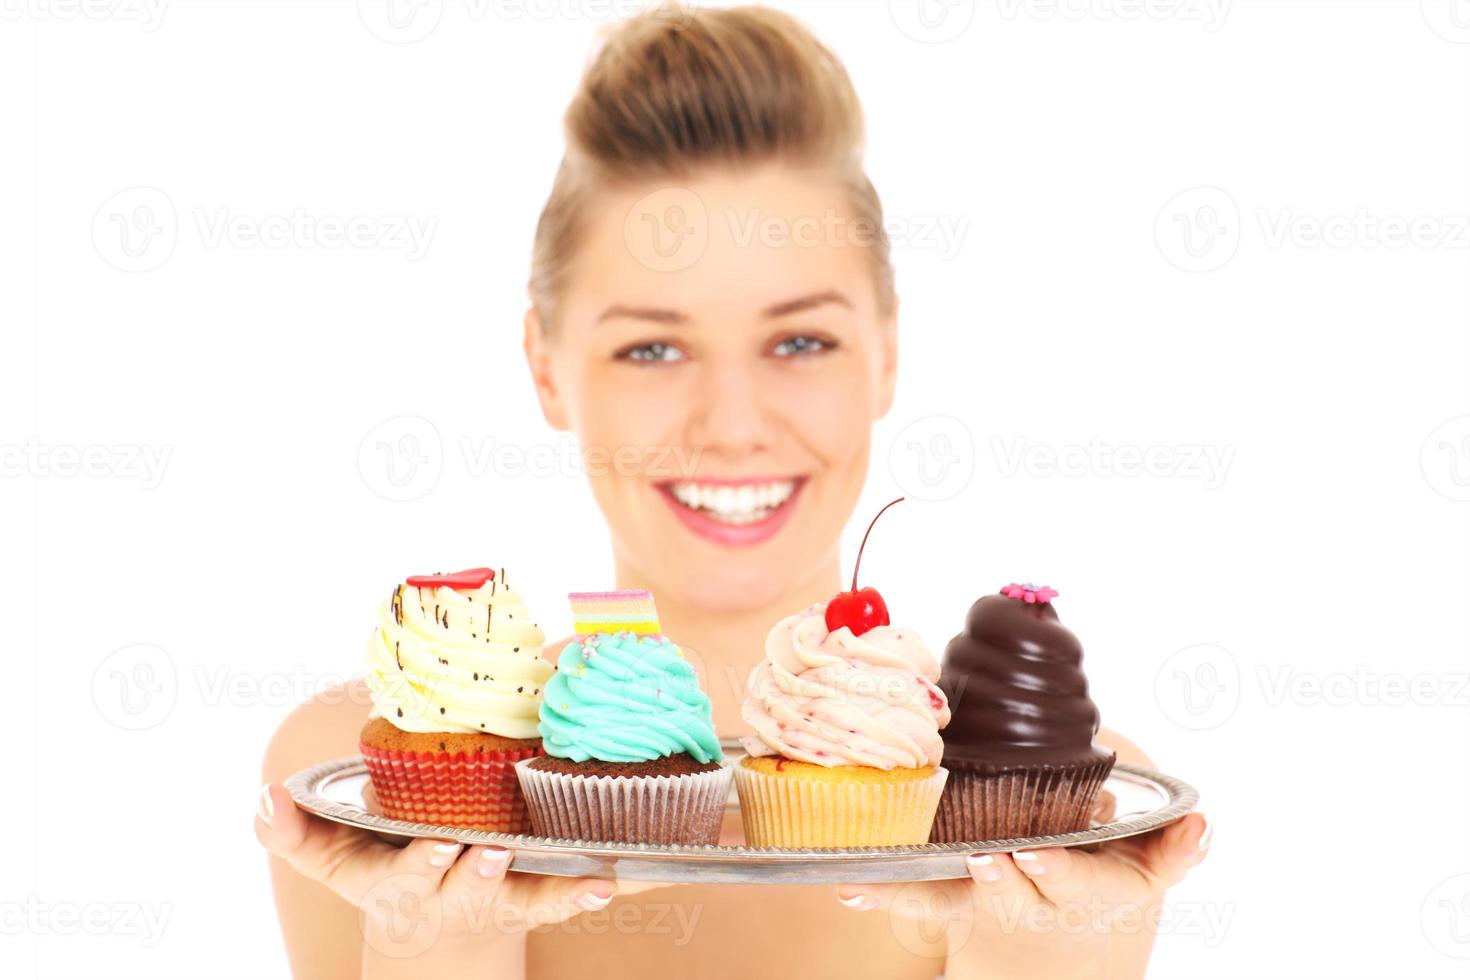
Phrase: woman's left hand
pixel 1064 912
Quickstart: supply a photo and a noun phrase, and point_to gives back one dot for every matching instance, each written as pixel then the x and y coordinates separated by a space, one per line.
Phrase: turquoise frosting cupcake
pixel 625 698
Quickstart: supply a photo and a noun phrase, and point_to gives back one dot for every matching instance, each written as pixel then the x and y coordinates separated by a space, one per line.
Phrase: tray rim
pixel 706 863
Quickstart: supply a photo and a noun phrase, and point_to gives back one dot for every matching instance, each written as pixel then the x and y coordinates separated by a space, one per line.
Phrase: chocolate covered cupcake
pixel 1019 744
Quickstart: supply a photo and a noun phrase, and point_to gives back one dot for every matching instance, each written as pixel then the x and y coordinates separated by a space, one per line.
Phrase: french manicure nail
pixel 493 861
pixel 593 903
pixel 1029 862
pixel 854 902
pixel 443 855
pixel 982 866
pixel 1207 836
pixel 266 808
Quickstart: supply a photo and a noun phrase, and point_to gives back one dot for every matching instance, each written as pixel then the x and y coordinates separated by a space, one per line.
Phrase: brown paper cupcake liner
pixel 1026 802
pixel 789 811
pixel 679 809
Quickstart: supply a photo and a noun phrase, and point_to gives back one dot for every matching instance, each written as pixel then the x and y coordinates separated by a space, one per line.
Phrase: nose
pixel 732 416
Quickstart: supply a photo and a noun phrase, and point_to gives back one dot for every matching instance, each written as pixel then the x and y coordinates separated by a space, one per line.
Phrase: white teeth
pixel 743 504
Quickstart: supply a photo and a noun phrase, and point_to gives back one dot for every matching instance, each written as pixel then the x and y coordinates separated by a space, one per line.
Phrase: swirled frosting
pixel 836 699
pixel 1014 678
pixel 457 660
pixel 620 697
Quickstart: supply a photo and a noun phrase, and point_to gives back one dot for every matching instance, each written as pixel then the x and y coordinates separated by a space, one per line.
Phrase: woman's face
pixel 721 354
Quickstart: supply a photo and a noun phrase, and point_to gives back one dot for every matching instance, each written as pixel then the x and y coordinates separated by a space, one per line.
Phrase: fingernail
pixel 593 903
pixel 1029 862
pixel 859 902
pixel 982 866
pixel 266 808
pixel 444 855
pixel 493 862
pixel 1208 835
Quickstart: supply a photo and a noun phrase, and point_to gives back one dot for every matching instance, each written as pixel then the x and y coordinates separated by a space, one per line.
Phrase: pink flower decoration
pixel 1029 593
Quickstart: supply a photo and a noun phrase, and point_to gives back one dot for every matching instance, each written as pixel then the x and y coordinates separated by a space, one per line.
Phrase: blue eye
pixel 654 353
pixel 797 346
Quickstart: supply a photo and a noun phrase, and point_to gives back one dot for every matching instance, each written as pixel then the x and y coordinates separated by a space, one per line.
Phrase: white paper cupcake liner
pixel 682 809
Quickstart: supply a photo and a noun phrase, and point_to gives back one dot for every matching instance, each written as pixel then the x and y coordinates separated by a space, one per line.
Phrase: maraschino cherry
pixel 859 609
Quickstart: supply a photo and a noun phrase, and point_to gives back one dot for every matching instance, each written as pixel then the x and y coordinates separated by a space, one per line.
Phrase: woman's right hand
pixel 429 897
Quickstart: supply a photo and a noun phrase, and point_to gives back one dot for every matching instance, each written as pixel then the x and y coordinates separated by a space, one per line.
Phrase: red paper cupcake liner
pixel 1027 802
pixel 477 791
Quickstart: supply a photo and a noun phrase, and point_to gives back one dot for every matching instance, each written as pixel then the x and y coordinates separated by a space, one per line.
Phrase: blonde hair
pixel 675 89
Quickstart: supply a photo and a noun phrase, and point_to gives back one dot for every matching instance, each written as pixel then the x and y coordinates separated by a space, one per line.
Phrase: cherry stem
pixel 858 564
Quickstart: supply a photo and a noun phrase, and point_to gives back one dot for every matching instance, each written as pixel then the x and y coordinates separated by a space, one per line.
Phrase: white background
pixel 1176 227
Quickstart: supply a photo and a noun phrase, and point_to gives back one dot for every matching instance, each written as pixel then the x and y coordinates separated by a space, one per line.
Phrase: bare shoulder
pixel 320 930
pixel 1127 751
pixel 323 728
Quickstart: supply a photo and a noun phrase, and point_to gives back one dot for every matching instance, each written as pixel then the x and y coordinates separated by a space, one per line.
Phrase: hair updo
pixel 676 89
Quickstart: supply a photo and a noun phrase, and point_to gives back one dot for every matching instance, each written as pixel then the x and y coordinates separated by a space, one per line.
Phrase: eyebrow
pixel 651 313
pixel 655 314
pixel 803 303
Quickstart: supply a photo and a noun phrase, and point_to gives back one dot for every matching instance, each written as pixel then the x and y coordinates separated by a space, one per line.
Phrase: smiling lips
pixel 733 512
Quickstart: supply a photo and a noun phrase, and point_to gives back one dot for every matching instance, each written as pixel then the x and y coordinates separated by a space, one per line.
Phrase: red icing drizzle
pixel 470 578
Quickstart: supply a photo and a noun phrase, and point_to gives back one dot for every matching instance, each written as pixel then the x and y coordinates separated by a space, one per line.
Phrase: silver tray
pixel 1146 800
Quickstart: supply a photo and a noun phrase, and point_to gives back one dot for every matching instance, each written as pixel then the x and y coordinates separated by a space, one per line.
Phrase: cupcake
pixel 631 751
pixel 846 716
pixel 456 674
pixel 846 747
pixel 1019 748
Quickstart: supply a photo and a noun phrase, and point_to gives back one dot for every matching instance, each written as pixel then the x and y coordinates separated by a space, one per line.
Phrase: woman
pixel 713 314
